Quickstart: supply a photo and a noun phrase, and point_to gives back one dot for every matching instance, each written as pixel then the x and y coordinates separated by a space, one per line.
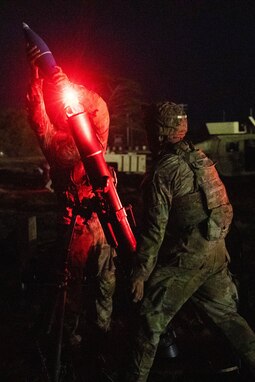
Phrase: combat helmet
pixel 165 121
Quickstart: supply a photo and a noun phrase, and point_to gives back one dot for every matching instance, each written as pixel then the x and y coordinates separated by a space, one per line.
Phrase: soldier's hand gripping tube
pixel 112 214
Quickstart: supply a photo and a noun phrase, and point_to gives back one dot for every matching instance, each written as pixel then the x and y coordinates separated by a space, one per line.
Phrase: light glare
pixel 70 97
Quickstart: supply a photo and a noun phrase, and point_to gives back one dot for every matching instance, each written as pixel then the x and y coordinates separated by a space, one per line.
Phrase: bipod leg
pixel 60 329
pixel 61 298
pixel 53 314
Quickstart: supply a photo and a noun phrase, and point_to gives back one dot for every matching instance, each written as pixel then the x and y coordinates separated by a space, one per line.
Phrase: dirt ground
pixel 28 292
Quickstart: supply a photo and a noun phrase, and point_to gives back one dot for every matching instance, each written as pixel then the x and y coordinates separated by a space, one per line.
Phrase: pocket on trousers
pixel 153 301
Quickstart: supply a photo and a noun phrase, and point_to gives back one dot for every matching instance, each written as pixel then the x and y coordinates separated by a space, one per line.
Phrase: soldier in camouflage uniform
pixel 181 252
pixel 90 256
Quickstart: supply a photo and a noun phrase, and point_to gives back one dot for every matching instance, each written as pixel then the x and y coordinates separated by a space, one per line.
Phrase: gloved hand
pixel 137 289
pixel 60 78
pixel 33 53
pixel 34 92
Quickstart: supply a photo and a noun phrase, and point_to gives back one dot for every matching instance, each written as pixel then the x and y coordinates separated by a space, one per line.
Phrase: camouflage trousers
pixel 92 276
pixel 201 274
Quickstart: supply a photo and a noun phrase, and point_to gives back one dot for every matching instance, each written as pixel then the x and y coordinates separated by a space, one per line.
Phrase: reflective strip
pixel 42 54
pixel 95 153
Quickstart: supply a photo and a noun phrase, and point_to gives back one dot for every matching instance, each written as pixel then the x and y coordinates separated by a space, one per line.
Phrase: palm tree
pixel 125 107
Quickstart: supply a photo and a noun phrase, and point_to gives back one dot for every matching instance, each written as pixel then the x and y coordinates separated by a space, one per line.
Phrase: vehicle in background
pixel 231 146
pixel 130 162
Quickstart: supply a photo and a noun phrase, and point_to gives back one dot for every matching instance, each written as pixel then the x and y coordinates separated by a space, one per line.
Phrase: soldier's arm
pixel 97 108
pixel 157 204
pixel 38 118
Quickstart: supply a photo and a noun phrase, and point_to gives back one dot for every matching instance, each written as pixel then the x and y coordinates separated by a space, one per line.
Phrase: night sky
pixel 201 53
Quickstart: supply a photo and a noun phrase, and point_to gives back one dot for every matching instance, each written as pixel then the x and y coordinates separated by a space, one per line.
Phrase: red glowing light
pixel 70 96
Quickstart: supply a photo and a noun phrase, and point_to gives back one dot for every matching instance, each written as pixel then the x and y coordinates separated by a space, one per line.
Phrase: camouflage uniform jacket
pixel 67 172
pixel 174 203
